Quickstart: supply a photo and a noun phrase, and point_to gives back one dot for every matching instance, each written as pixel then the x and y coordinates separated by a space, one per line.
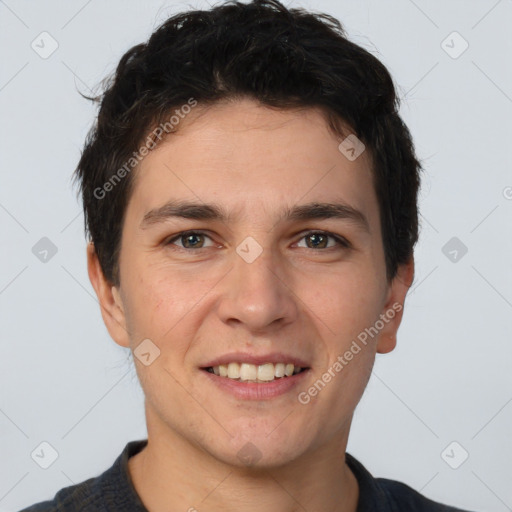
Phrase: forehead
pixel 252 158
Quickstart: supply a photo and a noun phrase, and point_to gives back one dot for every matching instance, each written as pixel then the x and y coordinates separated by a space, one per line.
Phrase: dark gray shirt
pixel 113 491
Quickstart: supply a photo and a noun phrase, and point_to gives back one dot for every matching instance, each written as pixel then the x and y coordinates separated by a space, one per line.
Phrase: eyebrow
pixel 202 211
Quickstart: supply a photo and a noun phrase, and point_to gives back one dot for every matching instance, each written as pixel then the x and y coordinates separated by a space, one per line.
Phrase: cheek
pixel 345 302
pixel 150 307
pixel 160 304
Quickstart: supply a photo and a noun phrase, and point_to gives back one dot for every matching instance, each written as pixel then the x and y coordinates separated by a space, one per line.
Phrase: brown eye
pixel 317 240
pixel 320 240
pixel 190 240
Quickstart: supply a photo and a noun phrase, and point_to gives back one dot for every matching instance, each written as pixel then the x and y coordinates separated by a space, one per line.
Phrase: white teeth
pixel 233 370
pixel 250 372
pixel 279 370
pixel 266 372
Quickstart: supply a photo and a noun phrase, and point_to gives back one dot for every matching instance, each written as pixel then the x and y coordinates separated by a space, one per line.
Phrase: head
pixel 278 143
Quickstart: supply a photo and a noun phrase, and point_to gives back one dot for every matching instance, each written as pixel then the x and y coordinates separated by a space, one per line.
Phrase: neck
pixel 170 473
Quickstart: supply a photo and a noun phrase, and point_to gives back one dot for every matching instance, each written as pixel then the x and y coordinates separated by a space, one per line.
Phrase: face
pixel 260 281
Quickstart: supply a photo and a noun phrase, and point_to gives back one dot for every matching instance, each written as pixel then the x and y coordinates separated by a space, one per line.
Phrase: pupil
pixel 190 238
pixel 315 236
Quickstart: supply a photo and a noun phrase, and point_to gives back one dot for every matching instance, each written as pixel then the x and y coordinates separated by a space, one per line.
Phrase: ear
pixel 109 298
pixel 393 310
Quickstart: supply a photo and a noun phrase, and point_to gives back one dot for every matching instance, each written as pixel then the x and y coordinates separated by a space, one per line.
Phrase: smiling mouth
pixel 245 372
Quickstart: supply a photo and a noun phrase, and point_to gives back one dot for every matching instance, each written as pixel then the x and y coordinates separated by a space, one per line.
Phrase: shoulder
pixel 110 491
pixel 403 497
pixel 69 497
pixel 384 495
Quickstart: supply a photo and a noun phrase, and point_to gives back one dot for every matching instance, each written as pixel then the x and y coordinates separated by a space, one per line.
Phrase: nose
pixel 259 294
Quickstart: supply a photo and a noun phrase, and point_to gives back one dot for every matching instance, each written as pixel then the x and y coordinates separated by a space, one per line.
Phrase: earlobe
pixel 386 345
pixel 393 309
pixel 109 298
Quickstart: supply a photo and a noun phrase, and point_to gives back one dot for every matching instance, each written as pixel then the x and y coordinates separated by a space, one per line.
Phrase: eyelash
pixel 342 242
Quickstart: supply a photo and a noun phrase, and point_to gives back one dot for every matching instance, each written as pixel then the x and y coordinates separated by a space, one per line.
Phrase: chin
pixel 251 457
pixel 260 450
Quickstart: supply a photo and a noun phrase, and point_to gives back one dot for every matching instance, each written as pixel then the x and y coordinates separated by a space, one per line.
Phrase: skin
pixel 196 304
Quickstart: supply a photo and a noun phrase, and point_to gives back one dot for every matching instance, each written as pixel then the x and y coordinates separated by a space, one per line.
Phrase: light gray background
pixel 65 382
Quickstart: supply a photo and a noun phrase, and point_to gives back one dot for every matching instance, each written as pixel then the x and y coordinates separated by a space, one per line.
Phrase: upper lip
pixel 256 359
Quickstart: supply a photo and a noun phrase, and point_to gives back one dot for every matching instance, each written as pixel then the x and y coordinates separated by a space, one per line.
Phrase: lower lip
pixel 256 390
